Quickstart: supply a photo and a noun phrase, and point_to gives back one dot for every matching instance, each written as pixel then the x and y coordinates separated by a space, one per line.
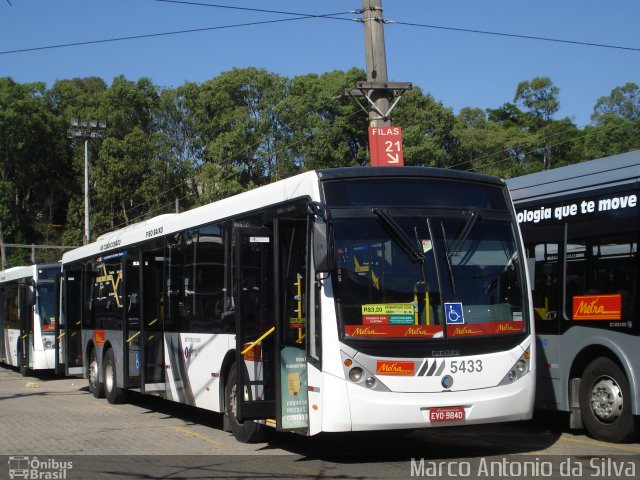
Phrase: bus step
pixel 154 388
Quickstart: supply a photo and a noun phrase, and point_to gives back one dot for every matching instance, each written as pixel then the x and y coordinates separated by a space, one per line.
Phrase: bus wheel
pixel 245 432
pixel 114 393
pixel 605 402
pixel 95 386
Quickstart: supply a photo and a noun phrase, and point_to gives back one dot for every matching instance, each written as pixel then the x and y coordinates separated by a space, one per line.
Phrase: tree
pixel 623 101
pixel 322 128
pixel 427 130
pixel 611 135
pixel 491 147
pixel 32 164
pixel 539 96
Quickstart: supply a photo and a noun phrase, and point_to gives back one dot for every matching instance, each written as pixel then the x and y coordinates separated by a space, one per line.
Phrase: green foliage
pixel 623 102
pixel 198 143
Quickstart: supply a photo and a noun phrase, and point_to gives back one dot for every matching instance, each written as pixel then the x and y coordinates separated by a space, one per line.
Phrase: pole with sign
pixel 385 146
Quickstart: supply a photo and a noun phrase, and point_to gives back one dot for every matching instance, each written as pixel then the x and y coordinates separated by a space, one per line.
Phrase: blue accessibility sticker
pixel 454 313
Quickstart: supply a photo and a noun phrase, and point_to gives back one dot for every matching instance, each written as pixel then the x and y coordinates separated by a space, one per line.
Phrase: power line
pixel 164 34
pixel 514 35
pixel 247 9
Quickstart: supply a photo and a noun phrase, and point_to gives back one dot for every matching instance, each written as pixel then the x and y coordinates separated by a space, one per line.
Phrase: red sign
pixel 394 368
pixel 597 307
pixel 446 414
pixel 392 331
pixel 99 337
pixel 488 328
pixel 385 146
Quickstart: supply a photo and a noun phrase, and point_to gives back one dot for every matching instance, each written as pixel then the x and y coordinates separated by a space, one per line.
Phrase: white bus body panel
pixel 201 357
pixel 390 410
pixel 11 337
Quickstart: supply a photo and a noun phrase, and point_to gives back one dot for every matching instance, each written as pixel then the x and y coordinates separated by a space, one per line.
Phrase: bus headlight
pixel 355 374
pixel 47 343
pixel 361 375
pixel 518 370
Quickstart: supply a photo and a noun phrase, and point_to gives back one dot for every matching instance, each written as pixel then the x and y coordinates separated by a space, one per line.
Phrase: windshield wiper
pixel 472 217
pixel 399 235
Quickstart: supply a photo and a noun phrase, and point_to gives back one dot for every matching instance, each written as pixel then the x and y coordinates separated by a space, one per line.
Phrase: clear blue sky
pixel 459 69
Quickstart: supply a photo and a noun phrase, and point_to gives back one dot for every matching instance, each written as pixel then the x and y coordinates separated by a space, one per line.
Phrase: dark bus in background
pixel 580 226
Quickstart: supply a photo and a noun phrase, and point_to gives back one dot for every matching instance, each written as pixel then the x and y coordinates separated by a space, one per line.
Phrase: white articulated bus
pixel 336 300
pixel 28 316
pixel 580 225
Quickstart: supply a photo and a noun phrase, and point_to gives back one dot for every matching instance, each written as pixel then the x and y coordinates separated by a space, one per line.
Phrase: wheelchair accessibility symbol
pixel 455 315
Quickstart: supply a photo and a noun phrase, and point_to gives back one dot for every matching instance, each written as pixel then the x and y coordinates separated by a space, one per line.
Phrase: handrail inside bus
pixel 262 337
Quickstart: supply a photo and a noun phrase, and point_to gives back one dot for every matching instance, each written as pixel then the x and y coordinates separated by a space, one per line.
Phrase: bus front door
pixel 291 310
pixel 71 335
pixel 256 341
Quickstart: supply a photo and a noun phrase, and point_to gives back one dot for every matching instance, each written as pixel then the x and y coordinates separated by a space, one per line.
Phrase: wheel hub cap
pixel 606 400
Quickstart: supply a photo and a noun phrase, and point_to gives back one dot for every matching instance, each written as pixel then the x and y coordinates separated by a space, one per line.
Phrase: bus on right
pixel 580 225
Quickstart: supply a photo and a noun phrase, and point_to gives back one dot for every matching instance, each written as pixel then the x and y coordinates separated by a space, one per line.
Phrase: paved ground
pixel 53 419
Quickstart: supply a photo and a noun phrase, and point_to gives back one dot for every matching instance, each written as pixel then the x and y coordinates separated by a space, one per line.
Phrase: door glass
pixel 132 312
pixel 153 317
pixel 73 318
pixel 293 358
pixel 254 308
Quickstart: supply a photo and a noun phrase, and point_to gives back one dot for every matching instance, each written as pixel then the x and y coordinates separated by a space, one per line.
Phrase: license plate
pixel 446 414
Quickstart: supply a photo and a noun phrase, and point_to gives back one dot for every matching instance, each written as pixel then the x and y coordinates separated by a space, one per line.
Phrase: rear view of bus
pixel 426 319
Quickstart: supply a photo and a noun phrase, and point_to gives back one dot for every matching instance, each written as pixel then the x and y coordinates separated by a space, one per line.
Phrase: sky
pixel 459 69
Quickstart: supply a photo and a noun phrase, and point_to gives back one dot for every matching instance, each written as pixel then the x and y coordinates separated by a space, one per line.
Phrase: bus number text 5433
pixel 466 366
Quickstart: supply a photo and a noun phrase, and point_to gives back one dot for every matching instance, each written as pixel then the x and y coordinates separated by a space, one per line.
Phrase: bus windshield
pixel 421 276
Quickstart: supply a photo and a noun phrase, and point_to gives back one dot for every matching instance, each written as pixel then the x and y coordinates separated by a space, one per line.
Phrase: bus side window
pixel 545 278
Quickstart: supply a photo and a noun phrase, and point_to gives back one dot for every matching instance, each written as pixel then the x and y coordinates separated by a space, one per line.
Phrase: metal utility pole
pixel 377 89
pixel 86 130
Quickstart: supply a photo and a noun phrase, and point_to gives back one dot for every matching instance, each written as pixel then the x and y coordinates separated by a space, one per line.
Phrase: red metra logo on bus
pixel 99 337
pixel 597 307
pixel 394 368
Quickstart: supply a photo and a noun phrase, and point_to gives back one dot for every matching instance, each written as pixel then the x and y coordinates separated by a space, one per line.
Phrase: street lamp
pixel 86 130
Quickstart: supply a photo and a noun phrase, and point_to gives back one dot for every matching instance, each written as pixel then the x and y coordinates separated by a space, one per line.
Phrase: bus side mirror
pixel 322 251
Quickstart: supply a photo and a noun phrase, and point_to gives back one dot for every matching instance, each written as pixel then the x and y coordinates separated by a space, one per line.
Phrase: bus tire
pixel 114 393
pixel 605 402
pixel 245 432
pixel 95 386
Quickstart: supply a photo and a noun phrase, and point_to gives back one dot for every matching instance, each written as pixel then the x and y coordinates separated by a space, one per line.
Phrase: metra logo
pixel 465 331
pixel 367 331
pixel 394 368
pixel 505 327
pixel 416 331
pixel 597 307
